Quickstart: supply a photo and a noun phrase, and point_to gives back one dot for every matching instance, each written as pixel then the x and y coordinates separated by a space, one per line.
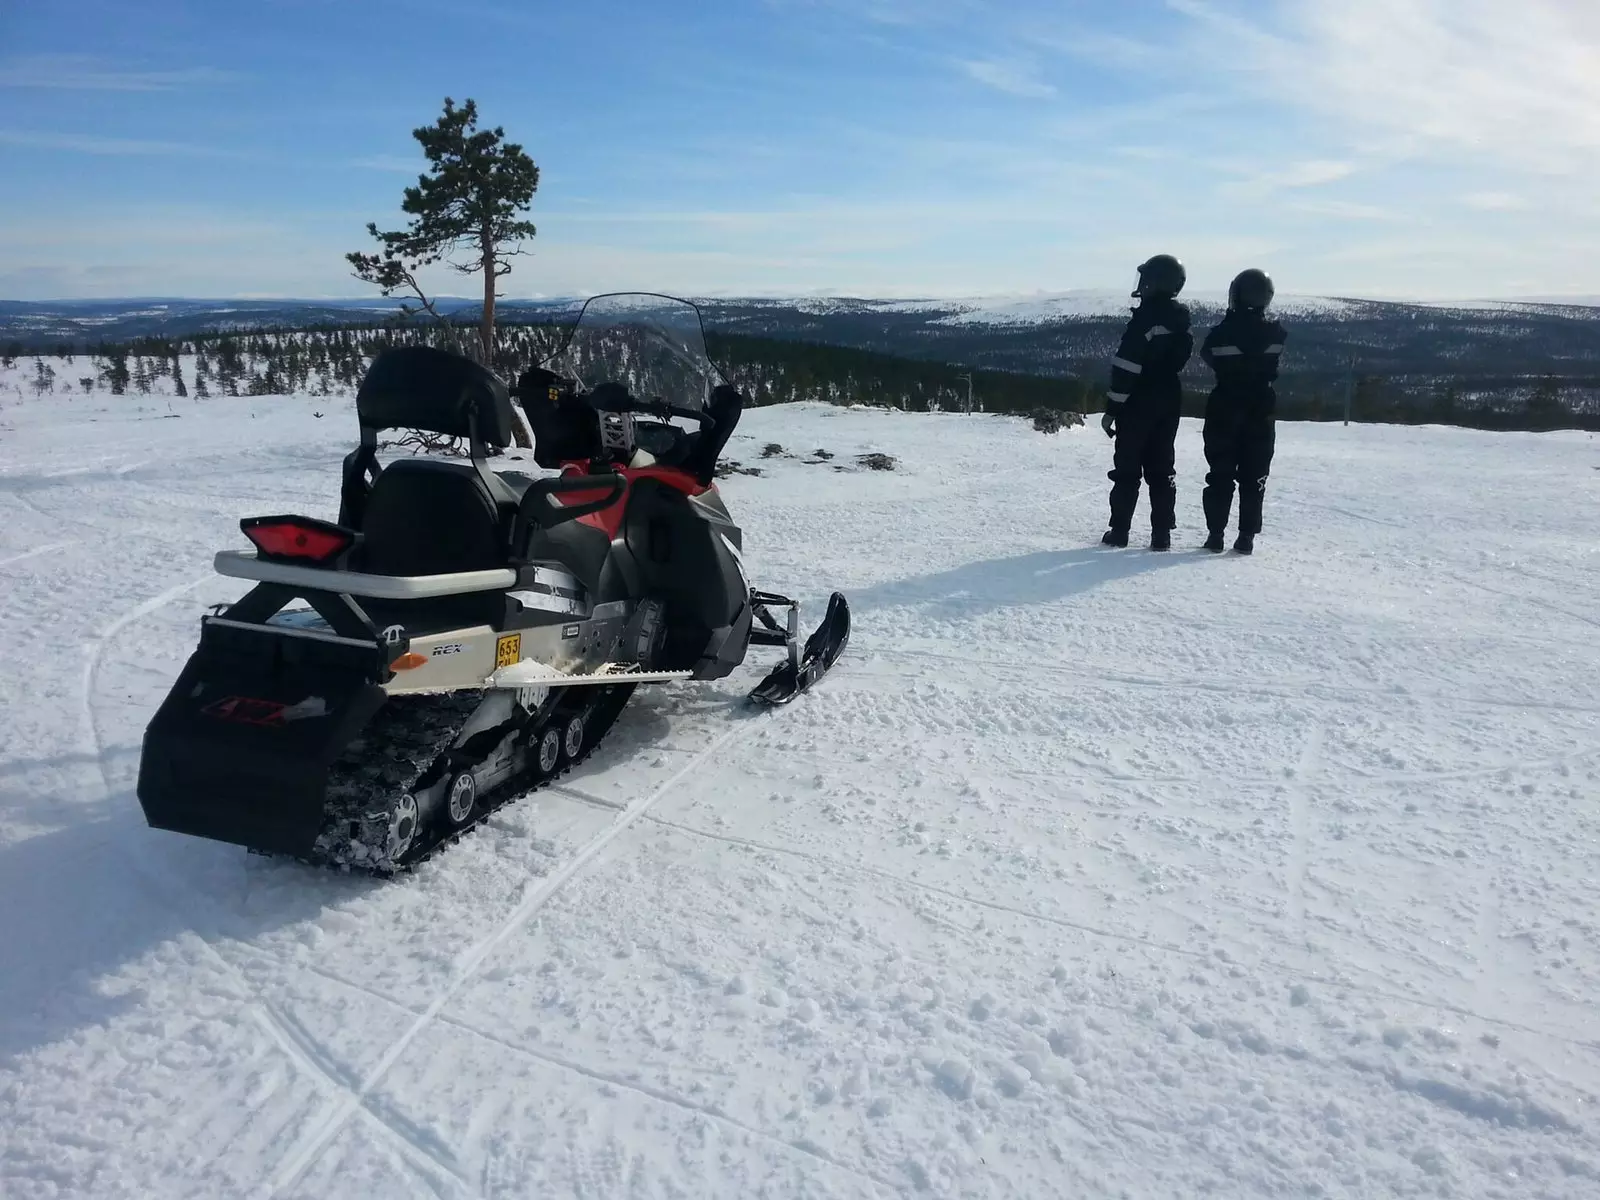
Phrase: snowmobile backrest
pixel 419 387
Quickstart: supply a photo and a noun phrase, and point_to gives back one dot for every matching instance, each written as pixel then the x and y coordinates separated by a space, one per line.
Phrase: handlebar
pixel 663 409
pixel 536 507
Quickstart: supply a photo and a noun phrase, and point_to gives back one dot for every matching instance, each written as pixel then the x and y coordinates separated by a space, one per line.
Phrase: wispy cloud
pixel 896 13
pixel 82 72
pixel 1483 80
pixel 76 143
pixel 1495 201
pixel 388 162
pixel 1344 210
pixel 1312 173
pixel 1013 78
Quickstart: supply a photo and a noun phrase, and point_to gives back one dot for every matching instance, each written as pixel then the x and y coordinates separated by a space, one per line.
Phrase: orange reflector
pixel 408 662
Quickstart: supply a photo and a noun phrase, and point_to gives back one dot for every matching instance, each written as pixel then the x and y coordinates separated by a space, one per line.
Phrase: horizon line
pixel 1571 299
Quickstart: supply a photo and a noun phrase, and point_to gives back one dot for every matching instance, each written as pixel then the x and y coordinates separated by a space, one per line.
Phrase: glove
pixel 1108 422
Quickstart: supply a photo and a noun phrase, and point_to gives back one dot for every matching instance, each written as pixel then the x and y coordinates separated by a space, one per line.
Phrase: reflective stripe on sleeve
pixel 1155 332
pixel 1117 397
pixel 1277 349
pixel 1226 352
pixel 1132 368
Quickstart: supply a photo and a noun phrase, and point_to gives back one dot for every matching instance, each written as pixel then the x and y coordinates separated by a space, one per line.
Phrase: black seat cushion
pixel 429 518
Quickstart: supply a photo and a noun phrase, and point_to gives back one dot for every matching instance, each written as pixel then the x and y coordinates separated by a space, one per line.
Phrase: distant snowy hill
pixel 1491 352
pixel 36 322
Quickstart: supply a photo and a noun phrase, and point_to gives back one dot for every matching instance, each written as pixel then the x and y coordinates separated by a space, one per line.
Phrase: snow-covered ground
pixel 1085 873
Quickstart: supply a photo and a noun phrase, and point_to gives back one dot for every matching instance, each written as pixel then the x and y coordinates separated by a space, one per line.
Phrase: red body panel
pixel 609 520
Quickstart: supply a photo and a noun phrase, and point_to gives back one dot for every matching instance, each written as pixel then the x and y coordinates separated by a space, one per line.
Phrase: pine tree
pixel 115 372
pixel 465 212
pixel 1545 410
pixel 44 378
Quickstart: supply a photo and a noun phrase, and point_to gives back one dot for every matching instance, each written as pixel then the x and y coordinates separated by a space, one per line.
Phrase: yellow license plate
pixel 508 650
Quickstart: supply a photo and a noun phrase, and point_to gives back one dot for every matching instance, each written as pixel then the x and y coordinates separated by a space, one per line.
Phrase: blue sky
pixel 871 147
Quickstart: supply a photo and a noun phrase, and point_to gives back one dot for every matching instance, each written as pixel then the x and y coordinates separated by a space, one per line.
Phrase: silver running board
pixel 531 673
pixel 243 564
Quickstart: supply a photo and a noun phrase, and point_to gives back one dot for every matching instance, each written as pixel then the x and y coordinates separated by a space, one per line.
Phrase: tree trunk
pixel 519 428
pixel 486 328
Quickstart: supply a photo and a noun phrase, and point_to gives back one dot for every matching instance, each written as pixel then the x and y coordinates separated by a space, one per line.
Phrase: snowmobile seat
pixel 418 387
pixel 425 517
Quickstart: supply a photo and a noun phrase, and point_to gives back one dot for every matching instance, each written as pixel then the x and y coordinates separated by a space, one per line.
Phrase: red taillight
pixel 297 537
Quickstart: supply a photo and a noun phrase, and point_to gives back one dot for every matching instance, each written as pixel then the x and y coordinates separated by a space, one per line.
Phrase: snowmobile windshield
pixel 653 345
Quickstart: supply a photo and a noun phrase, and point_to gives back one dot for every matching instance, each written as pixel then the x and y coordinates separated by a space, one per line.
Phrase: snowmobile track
pixel 301 1159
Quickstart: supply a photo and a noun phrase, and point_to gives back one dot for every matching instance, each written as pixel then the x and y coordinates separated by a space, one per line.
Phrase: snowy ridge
pixel 1085 872
pixel 1041 307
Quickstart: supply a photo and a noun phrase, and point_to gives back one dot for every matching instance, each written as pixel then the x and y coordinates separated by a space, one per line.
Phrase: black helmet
pixel 1251 289
pixel 1162 275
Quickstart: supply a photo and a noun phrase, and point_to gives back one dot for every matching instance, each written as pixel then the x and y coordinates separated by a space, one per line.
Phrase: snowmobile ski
pixel 805 666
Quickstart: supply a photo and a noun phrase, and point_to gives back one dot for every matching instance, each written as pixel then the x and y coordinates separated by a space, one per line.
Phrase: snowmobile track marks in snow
pixel 1298 794
pixel 94 654
pixel 34 553
pixel 623 1083
pixel 1269 964
pixel 292 1042
pixel 293 1045
pixel 304 1157
pixel 299 1049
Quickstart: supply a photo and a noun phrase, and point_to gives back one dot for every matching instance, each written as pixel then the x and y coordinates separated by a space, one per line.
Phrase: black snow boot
pixel 1160 539
pixel 1246 543
pixel 1114 537
pixel 1214 542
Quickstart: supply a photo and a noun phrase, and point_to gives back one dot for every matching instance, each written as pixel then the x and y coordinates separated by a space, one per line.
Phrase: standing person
pixel 1146 400
pixel 1243 350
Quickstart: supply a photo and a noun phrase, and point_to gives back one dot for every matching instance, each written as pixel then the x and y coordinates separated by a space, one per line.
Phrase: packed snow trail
pixel 1085 872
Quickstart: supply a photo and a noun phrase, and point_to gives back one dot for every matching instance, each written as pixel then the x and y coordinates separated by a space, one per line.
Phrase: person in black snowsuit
pixel 1145 402
pixel 1244 350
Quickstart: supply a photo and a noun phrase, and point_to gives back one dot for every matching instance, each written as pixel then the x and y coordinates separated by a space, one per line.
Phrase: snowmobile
pixel 462 635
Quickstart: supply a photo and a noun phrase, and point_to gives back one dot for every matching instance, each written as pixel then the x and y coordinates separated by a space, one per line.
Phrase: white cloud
pixel 82 72
pixel 1013 78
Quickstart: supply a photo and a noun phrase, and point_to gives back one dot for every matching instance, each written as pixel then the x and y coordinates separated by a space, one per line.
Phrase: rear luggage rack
pixel 244 564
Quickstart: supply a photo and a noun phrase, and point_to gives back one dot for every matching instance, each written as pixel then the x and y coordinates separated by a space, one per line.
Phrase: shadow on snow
pixel 103 910
pixel 1044 577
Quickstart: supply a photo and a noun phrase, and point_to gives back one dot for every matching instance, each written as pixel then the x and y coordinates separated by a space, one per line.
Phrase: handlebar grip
pixel 535 508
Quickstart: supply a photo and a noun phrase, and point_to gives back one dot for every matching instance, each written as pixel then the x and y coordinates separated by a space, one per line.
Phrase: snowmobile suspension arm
pixel 772 634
